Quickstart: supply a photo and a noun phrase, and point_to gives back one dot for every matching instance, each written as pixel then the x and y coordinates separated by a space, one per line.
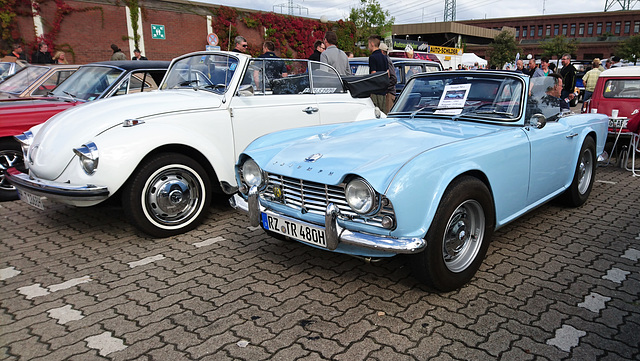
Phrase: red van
pixel 616 89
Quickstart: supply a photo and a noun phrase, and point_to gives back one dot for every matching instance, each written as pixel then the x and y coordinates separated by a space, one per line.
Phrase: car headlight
pixel 251 173
pixel 88 155
pixel 360 196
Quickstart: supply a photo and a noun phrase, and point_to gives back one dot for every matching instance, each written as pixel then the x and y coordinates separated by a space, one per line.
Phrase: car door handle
pixel 572 135
pixel 310 110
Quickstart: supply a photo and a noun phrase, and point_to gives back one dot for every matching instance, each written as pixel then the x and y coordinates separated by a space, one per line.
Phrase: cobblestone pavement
pixel 81 284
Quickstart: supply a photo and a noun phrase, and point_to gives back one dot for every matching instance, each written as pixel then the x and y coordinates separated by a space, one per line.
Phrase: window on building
pixel 524 32
pixel 517 32
pixel 636 27
pixel 590 29
pixel 627 27
pixel 573 30
pixel 564 29
pixel 599 29
pixel 617 28
pixel 556 30
pixel 608 28
pixel 581 30
pixel 540 30
pixel 548 30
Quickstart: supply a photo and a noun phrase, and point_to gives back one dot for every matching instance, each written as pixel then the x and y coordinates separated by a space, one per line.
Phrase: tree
pixel 558 46
pixel 630 49
pixel 503 49
pixel 370 19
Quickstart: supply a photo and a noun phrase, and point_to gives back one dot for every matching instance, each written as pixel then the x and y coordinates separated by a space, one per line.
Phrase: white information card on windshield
pixel 453 99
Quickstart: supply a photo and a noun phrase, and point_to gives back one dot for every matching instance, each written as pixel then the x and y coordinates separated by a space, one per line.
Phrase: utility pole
pixel 625 4
pixel 291 6
pixel 449 10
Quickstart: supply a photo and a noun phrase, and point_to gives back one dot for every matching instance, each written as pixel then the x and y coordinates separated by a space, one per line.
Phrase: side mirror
pixel 245 90
pixel 538 121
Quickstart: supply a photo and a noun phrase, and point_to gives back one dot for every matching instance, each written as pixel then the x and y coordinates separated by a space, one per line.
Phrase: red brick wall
pixel 184 33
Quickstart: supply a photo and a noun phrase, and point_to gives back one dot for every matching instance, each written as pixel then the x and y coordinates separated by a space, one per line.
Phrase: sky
pixel 418 11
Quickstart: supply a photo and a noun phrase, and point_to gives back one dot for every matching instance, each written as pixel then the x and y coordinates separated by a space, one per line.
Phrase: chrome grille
pixel 314 197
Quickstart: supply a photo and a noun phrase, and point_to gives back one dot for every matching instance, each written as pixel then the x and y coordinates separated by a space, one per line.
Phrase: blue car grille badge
pixel 312 158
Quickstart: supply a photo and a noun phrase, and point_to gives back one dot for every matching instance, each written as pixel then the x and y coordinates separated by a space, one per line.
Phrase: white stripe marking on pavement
pixel 208 242
pixel 105 343
pixel 632 254
pixel 145 261
pixel 69 283
pixel 254 228
pixel 594 302
pixel 65 314
pixel 8 272
pixel 566 338
pixel 616 275
pixel 33 291
pixel 606 182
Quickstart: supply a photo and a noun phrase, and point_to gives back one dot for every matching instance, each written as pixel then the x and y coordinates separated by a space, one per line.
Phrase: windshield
pixel 622 88
pixel 88 83
pixel 5 68
pixel 206 72
pixel 20 81
pixel 487 96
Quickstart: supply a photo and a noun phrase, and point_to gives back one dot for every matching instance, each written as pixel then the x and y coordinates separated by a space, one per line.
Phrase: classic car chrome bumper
pixel 55 191
pixel 334 233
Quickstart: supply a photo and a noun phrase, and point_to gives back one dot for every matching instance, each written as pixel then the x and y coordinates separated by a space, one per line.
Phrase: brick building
pixel 598 33
pixel 88 34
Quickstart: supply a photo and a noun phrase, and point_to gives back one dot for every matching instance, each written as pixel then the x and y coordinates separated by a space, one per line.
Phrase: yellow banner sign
pixel 445 50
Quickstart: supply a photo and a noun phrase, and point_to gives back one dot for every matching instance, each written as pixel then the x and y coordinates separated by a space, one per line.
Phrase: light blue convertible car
pixel 460 155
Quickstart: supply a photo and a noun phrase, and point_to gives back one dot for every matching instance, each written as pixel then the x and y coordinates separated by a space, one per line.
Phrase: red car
pixel 90 82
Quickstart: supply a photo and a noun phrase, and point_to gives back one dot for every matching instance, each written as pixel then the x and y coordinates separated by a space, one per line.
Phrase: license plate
pixel 618 123
pixel 31 199
pixel 296 230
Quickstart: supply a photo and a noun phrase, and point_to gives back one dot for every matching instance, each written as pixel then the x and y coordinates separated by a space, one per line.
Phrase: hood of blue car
pixel 373 150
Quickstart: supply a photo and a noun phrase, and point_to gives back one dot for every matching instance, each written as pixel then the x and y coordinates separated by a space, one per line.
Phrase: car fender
pixel 122 149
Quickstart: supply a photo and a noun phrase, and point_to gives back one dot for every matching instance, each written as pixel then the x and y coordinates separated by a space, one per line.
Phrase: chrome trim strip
pixel 333 231
pixel 55 190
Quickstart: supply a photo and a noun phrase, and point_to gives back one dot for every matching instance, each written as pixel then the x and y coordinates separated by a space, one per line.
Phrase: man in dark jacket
pixel 42 56
pixel 568 73
pixel 377 63
pixel 318 47
pixel 18 52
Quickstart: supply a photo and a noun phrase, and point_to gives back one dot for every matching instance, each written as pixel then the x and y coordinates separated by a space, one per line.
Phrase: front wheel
pixel 584 175
pixel 458 238
pixel 10 156
pixel 168 195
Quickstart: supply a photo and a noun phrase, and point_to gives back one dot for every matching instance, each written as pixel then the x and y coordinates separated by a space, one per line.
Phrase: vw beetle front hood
pixel 373 150
pixel 55 140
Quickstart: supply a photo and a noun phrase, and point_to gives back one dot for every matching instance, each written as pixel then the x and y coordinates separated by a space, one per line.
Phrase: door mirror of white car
pixel 245 90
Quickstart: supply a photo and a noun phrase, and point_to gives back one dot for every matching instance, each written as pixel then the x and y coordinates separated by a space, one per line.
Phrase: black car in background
pixel 404 68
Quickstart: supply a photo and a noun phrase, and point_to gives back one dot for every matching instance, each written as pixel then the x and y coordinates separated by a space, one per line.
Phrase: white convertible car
pixel 167 152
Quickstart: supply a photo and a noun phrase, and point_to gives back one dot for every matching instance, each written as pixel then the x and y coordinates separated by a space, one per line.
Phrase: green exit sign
pixel 157 31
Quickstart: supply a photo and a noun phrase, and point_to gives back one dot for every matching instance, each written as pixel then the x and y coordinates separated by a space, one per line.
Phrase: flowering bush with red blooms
pixel 18 7
pixel 289 33
pixel 224 25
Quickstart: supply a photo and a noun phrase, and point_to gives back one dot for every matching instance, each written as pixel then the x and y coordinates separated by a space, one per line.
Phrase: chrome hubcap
pixel 173 196
pixel 585 171
pixel 463 236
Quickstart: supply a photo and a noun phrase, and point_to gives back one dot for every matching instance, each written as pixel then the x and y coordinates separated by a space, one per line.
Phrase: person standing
pixel 42 56
pixel 318 48
pixel 117 53
pixel 520 66
pixel 377 63
pixel 531 68
pixel 273 69
pixel 241 45
pixel 138 56
pixel 590 79
pixel 543 70
pixel 568 73
pixel 390 97
pixel 18 52
pixel 59 58
pixel 334 56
